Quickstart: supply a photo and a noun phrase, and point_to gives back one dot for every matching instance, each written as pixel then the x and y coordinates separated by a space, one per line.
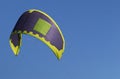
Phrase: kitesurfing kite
pixel 40 25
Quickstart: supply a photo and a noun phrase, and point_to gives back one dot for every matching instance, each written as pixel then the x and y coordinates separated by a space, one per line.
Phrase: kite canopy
pixel 40 25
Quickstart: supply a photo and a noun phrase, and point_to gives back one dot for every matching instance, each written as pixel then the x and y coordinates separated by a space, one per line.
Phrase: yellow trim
pixel 57 52
pixel 32 10
pixel 16 49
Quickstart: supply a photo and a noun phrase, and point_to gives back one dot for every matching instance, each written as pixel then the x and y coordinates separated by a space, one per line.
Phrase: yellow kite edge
pixel 16 49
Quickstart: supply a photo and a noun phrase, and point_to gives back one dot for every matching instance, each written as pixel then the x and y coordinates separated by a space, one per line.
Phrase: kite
pixel 41 26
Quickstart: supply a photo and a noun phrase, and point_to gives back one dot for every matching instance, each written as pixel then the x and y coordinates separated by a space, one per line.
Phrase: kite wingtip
pixel 15 49
pixel 59 55
pixel 16 54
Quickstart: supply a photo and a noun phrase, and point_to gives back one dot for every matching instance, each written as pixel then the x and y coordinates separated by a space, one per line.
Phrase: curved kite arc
pixel 40 25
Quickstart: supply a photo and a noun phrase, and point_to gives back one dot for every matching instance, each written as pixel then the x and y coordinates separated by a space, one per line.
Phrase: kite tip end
pixel 59 53
pixel 59 56
pixel 15 54
pixel 15 49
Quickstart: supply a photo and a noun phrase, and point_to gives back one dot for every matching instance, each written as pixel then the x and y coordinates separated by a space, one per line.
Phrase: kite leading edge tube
pixel 40 25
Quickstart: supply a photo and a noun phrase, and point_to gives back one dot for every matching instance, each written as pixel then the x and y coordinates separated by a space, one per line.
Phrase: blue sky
pixel 92 33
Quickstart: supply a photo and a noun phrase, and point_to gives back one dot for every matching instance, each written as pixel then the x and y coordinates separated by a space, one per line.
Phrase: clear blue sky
pixel 92 32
